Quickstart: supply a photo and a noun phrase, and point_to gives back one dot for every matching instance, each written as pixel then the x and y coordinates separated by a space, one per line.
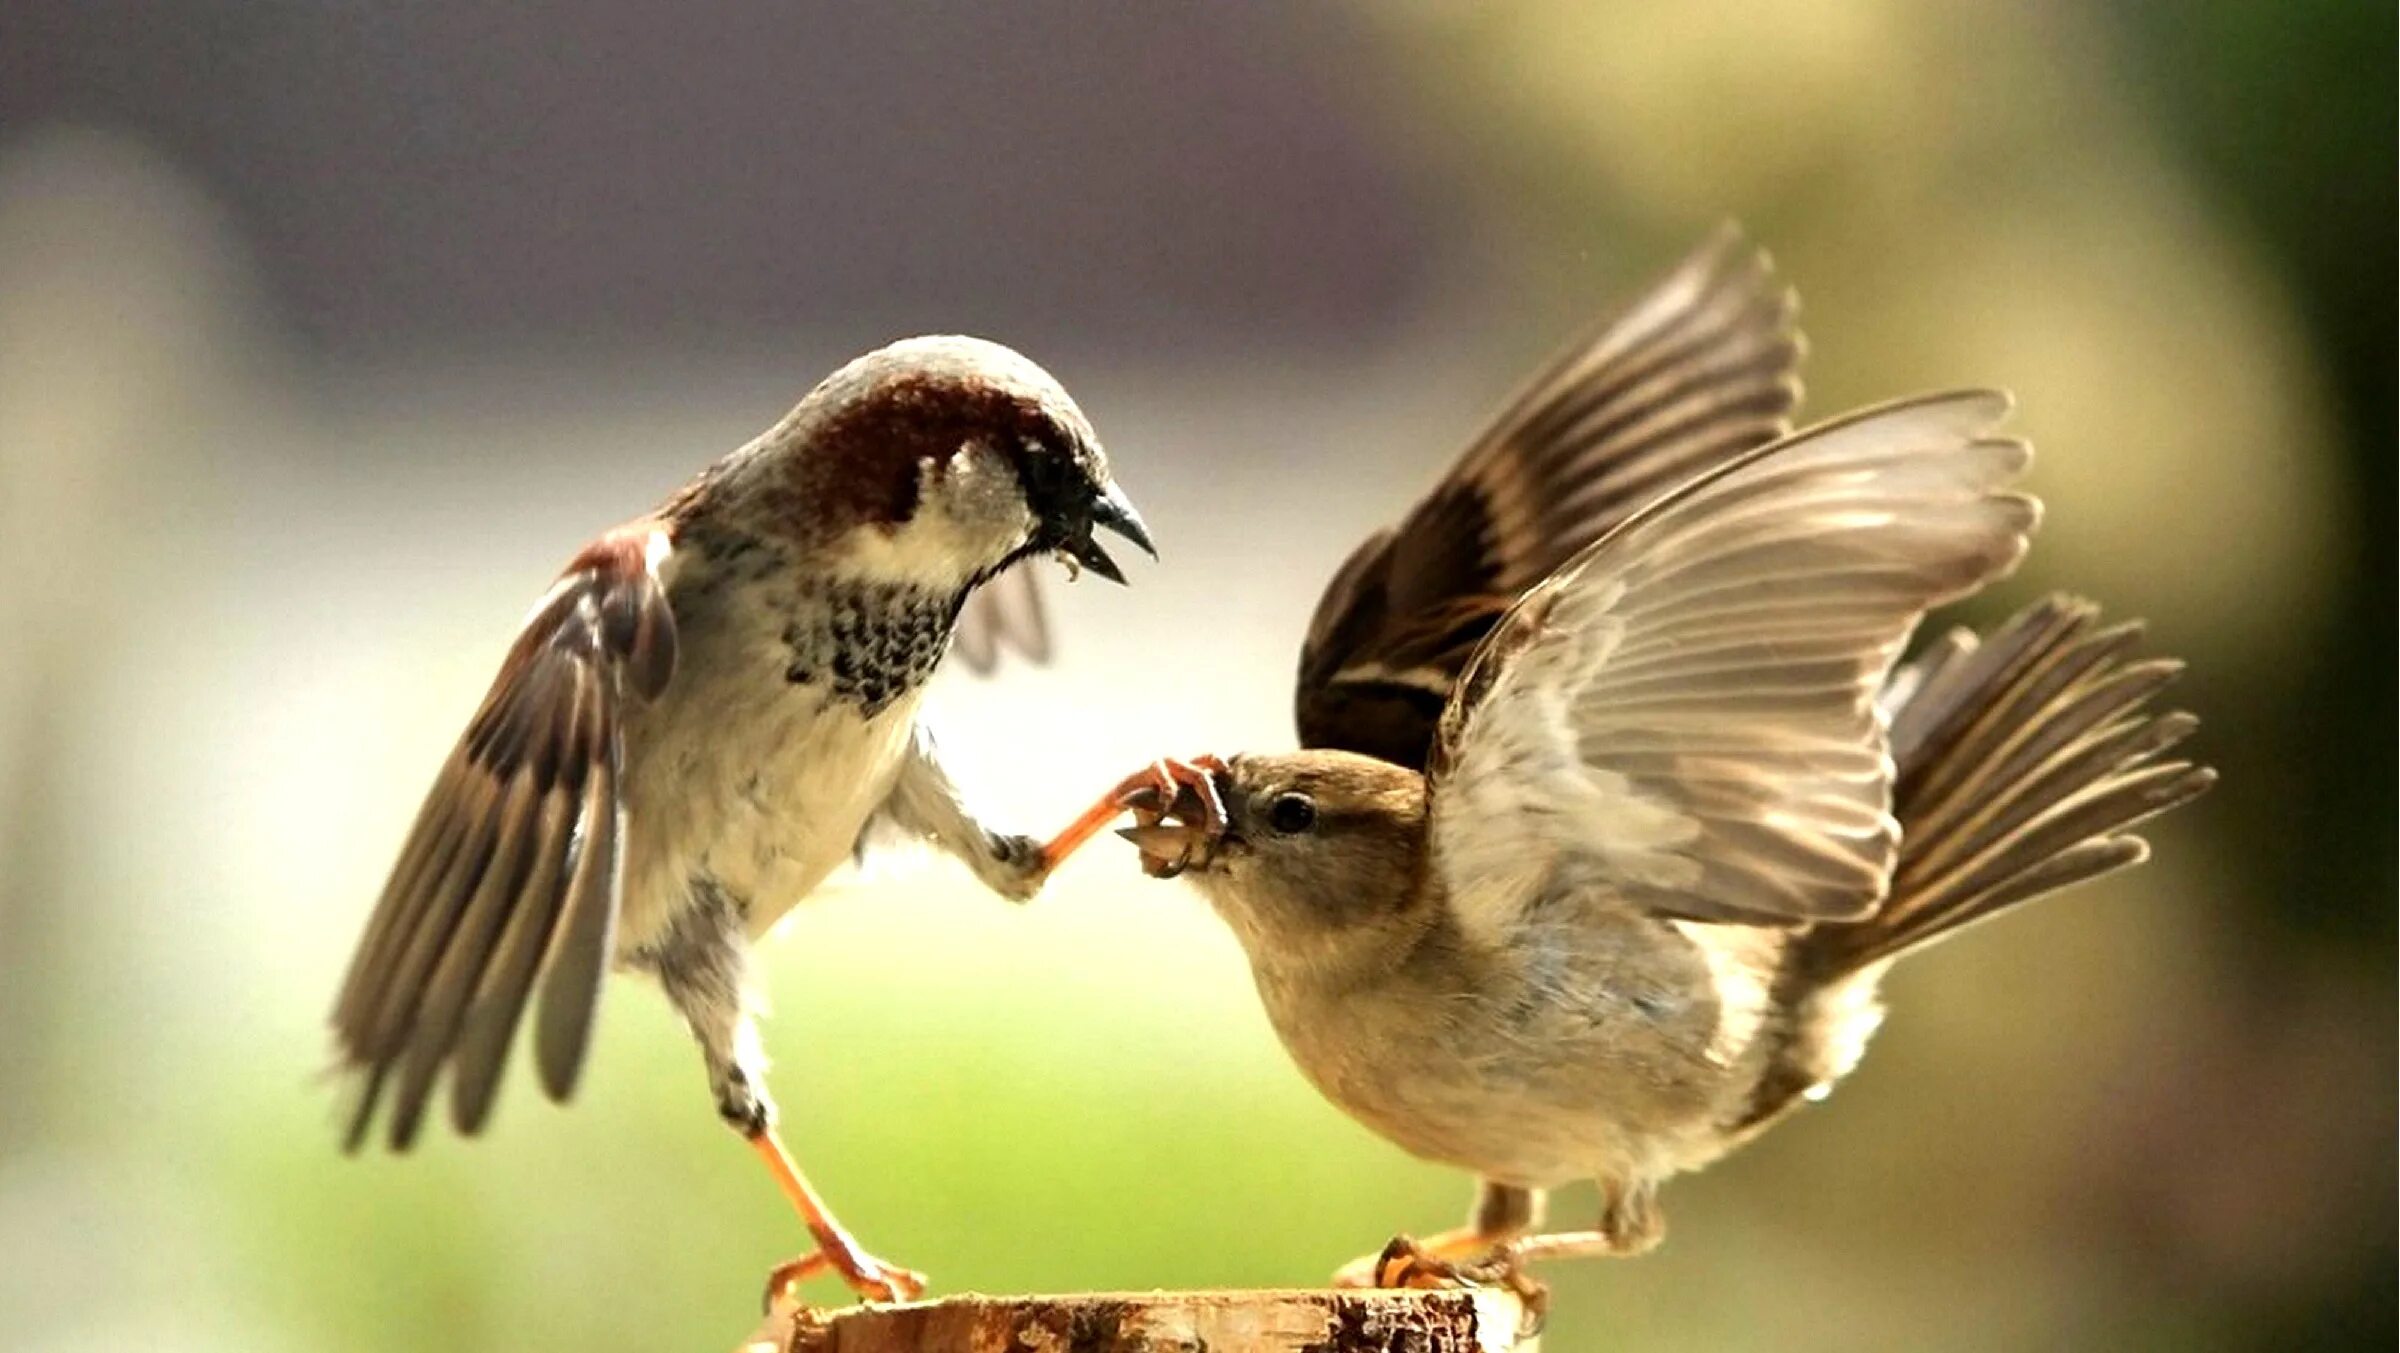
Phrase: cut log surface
pixel 1450 1321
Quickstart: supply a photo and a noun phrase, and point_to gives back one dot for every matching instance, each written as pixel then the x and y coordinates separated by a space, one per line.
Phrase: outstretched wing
pixel 1699 370
pixel 512 870
pixel 1686 714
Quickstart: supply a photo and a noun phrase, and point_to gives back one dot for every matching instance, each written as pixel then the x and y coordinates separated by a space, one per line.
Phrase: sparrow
pixel 1615 802
pixel 706 711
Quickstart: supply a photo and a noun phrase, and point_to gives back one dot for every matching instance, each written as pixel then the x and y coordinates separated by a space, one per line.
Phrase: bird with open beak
pixel 694 727
pixel 1615 803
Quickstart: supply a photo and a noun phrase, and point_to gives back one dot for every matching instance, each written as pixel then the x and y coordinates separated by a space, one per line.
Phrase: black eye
pixel 1292 813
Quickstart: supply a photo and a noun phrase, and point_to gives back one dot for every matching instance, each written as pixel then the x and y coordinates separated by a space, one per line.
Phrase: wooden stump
pixel 1303 1321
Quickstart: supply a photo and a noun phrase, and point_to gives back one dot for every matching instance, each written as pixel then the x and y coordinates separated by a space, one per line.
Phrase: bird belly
pixel 1610 1053
pixel 1408 1065
pixel 763 797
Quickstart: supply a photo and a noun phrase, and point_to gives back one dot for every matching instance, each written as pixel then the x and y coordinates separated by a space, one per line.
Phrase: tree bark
pixel 1300 1321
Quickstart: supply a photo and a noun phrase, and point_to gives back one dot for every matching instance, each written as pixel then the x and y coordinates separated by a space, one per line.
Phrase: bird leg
pixel 871 1278
pixel 1502 1213
pixel 1629 1224
pixel 702 964
pixel 1164 786
pixel 1401 1258
pixel 1405 1263
pixel 924 802
pixel 747 1110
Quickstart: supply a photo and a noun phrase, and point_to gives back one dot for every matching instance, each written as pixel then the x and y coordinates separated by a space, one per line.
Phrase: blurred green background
pixel 327 332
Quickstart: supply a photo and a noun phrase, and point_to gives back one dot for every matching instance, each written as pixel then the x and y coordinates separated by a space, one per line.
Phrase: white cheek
pixel 979 501
pixel 969 517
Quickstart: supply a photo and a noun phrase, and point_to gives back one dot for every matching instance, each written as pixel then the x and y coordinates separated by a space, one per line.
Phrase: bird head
pixel 1308 856
pixel 939 462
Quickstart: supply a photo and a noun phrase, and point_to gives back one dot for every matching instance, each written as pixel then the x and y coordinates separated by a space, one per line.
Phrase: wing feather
pixel 511 872
pixel 1687 711
pixel 507 979
pixel 579 951
pixel 1700 369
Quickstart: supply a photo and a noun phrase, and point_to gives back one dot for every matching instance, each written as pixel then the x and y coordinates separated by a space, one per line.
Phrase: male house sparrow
pixel 697 722
pixel 1614 808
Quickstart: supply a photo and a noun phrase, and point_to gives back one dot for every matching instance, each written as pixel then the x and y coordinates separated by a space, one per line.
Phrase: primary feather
pixel 512 872
pixel 1687 711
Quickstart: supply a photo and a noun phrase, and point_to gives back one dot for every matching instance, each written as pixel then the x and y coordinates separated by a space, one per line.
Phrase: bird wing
pixel 1686 713
pixel 513 869
pixel 1703 367
pixel 1005 613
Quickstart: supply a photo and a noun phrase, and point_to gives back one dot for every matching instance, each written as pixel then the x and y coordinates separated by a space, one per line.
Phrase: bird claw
pixel 1185 795
pixel 1405 1264
pixel 1185 790
pixel 871 1278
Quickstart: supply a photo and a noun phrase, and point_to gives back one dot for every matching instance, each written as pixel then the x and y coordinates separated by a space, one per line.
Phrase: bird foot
pixel 871 1278
pixel 1405 1263
pixel 837 1251
pixel 1178 812
pixel 1167 787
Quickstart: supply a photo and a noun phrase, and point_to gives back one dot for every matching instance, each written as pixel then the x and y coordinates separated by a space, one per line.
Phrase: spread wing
pixel 1701 369
pixel 1686 713
pixel 512 870
pixel 1004 613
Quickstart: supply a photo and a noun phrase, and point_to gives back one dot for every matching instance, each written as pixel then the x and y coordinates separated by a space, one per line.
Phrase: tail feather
pixel 2025 788
pixel 2023 758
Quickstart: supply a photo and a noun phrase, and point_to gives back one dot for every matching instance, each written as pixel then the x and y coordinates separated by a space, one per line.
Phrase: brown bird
pixel 699 721
pixel 1616 804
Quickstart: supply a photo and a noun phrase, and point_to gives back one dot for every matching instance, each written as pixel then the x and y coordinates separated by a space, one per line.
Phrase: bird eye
pixel 1292 813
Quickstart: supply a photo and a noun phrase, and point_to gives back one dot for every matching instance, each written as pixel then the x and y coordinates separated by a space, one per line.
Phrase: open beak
pixel 1168 848
pixel 1113 510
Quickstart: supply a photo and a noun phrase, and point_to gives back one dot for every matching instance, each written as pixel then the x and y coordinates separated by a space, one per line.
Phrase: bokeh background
pixel 326 332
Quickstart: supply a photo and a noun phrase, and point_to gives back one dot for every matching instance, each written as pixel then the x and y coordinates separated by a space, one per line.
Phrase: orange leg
pixel 1487 1250
pixel 1566 1245
pixel 871 1278
pixel 1156 787
pixel 1393 1264
pixel 1497 1247
pixel 1110 806
pixel 1471 1260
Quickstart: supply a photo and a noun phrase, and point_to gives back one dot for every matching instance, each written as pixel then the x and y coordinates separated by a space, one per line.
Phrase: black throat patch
pixel 867 644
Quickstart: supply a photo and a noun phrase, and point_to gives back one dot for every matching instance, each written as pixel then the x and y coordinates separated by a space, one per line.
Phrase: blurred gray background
pixel 327 332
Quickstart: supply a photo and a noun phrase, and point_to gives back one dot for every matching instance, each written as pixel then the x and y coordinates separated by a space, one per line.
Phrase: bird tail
pixel 2022 758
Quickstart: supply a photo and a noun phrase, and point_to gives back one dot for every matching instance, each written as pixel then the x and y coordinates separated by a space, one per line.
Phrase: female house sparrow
pixel 1614 812
pixel 695 725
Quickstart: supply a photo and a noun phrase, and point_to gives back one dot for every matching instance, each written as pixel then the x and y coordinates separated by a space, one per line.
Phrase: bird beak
pixel 1168 848
pixel 1112 509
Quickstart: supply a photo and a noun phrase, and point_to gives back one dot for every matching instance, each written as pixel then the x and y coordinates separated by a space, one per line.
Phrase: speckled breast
pixel 781 733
